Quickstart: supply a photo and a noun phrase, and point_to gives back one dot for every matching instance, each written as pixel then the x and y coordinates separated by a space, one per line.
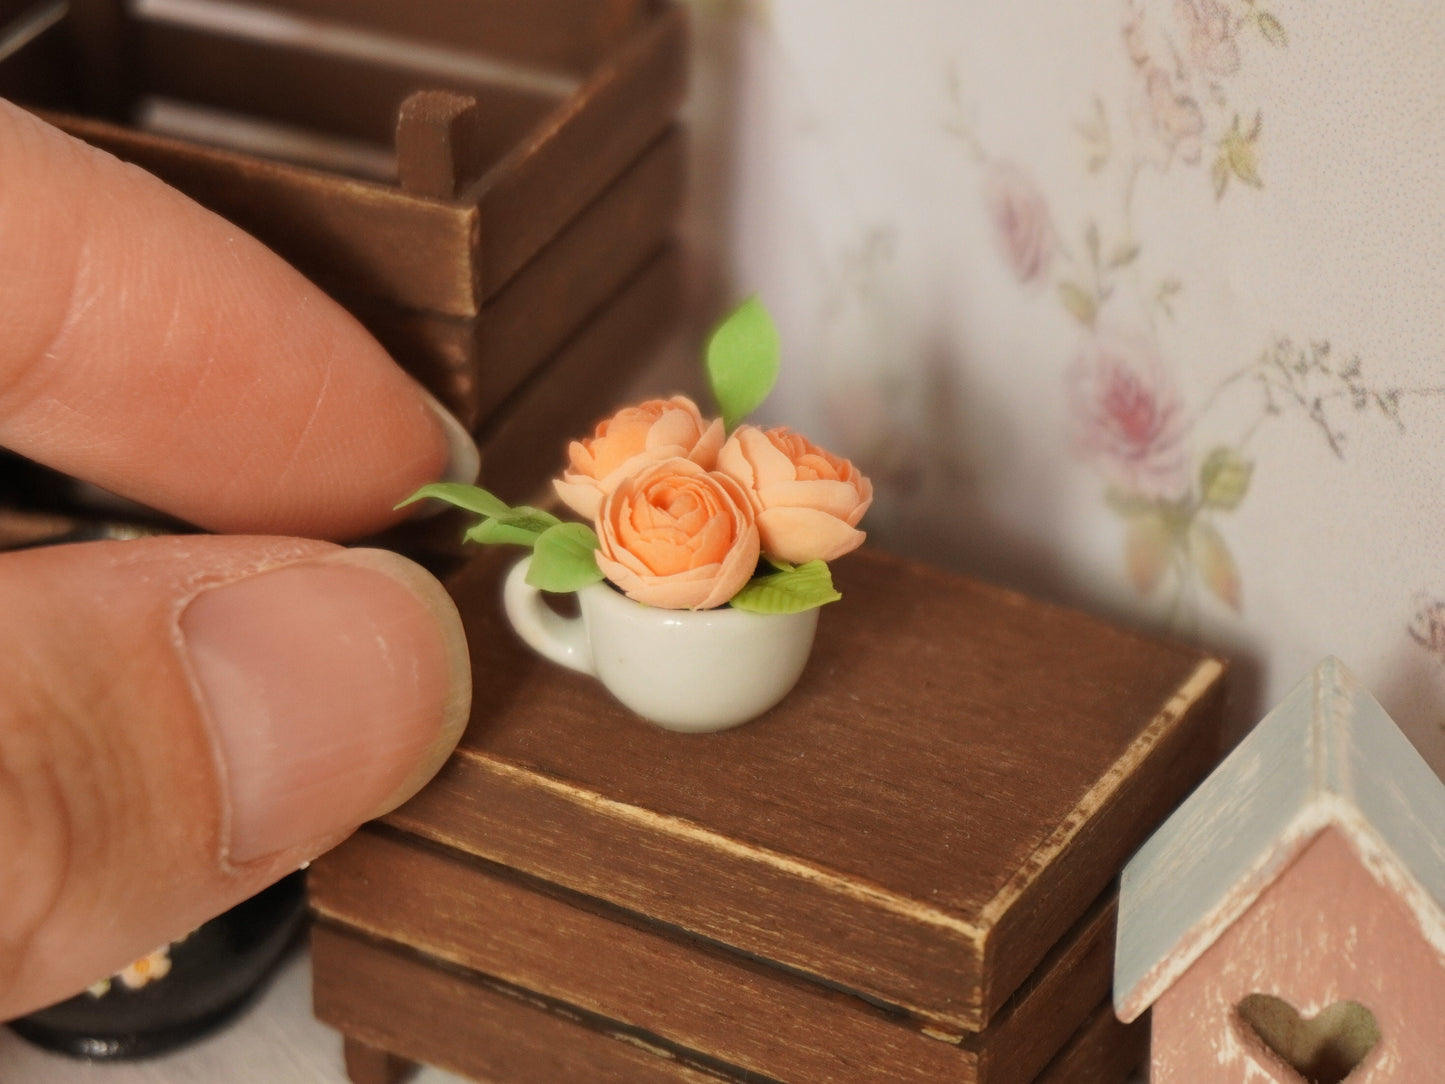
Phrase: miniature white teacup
pixel 689 670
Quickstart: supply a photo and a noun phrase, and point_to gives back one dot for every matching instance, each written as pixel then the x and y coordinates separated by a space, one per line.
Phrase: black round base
pixel 214 973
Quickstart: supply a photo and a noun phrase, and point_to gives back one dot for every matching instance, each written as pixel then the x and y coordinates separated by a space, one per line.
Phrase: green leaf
pixel 493 532
pixel 1079 302
pixel 520 526
pixel 470 498
pixel 805 587
pixel 1270 27
pixel 562 559
pixel 1224 478
pixel 742 361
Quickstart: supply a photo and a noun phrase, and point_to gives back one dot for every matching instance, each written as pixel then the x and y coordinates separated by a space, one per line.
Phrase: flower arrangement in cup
pixel 685 512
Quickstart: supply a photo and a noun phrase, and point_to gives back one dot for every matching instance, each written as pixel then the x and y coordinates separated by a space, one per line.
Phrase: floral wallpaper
pixel 1134 304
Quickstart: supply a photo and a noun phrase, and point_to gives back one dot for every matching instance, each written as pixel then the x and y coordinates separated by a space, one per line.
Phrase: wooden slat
pixel 1103 1051
pixel 946 749
pixel 356 237
pixel 369 237
pixel 40 73
pixel 437 145
pixel 367 1065
pixel 587 378
pixel 11 10
pixel 474 365
pixel 758 1018
pixel 392 1002
pixel 101 35
pixel 1033 1024
pixel 581 147
pixel 354 97
pixel 569 35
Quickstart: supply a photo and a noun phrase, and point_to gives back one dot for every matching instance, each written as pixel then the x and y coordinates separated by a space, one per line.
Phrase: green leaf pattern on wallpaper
pixel 1181 126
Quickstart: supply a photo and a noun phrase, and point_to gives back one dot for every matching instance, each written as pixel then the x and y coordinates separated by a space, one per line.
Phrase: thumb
pixel 184 720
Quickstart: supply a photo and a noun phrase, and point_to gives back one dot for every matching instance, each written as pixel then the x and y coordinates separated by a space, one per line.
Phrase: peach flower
pixel 677 536
pixel 631 439
pixel 808 501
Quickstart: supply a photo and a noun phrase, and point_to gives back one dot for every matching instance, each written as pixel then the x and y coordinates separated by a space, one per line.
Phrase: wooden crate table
pixel 904 872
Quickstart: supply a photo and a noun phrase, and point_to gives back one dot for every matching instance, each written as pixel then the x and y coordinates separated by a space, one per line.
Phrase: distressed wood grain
pixel 474 365
pixel 693 994
pixel 916 822
pixel 587 377
pixel 569 35
pixel 391 1000
pixel 1103 1051
pixel 546 156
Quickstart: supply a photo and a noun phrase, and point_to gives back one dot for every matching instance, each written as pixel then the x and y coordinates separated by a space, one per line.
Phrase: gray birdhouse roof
pixel 1327 755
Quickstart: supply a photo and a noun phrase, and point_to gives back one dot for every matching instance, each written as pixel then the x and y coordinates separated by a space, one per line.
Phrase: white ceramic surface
pixel 687 670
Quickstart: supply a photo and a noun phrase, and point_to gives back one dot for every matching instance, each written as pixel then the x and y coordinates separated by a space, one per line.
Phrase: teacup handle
pixel 563 640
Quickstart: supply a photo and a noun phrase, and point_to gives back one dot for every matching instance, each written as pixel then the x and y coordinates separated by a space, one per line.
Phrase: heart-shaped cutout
pixel 1324 1049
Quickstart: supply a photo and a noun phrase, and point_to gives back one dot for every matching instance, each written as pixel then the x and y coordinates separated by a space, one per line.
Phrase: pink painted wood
pixel 1287 922
pixel 1326 931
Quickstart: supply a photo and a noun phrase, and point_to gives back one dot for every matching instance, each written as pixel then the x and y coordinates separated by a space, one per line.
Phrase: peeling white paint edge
pixel 1375 821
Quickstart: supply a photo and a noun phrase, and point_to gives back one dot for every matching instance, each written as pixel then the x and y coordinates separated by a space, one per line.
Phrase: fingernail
pixel 334 688
pixel 464 460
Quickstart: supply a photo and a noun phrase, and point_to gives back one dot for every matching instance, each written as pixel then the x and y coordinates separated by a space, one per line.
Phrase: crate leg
pixel 366 1064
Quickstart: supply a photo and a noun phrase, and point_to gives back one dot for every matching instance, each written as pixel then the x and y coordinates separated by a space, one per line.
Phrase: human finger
pixel 185 719
pixel 151 347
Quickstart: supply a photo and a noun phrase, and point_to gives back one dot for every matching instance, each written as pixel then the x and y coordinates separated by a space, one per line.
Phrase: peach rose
pixel 808 502
pixel 631 439
pixel 677 536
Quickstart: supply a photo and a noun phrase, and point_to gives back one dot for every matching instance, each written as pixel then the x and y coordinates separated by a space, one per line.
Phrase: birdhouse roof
pixel 1328 755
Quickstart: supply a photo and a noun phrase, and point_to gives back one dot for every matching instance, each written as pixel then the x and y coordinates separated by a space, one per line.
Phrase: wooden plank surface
pixel 692 994
pixel 581 146
pixel 39 72
pixel 356 236
pixel 914 822
pixel 523 444
pixel 1103 1051
pixel 474 365
pixel 568 35
pixel 393 1001
pixel 351 96
pixel 367 237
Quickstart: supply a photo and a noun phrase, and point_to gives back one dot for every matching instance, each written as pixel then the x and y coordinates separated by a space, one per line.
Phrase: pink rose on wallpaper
pixel 1128 419
pixel 1210 32
pixel 1022 224
pixel 1172 118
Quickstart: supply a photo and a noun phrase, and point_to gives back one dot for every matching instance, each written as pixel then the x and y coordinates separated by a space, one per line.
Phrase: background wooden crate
pixel 478 181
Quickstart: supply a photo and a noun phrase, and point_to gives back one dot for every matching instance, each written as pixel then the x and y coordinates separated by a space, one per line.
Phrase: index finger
pixel 151 347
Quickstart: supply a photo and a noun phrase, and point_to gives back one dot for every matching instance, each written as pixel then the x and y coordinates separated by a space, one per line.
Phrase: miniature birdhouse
pixel 1287 923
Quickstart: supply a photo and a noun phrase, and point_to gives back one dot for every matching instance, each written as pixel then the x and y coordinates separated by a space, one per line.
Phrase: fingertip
pixel 334 688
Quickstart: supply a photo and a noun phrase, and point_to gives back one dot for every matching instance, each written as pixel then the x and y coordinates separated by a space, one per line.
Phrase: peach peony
pixel 808 502
pixel 631 439
pixel 677 536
